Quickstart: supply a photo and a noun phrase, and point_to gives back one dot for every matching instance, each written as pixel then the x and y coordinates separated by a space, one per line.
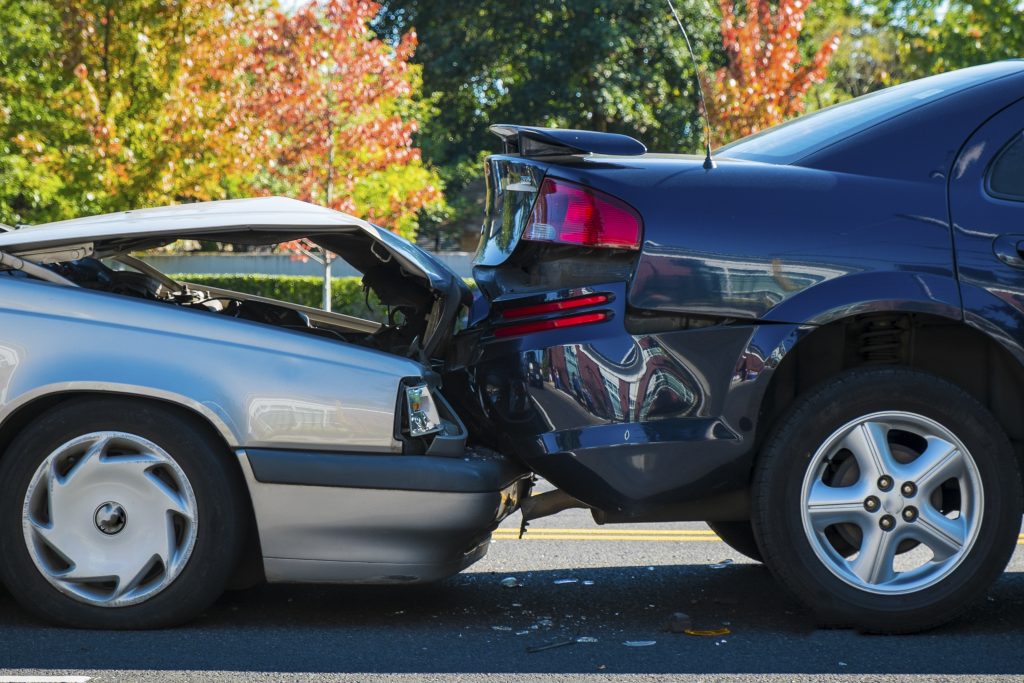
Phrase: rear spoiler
pixel 531 141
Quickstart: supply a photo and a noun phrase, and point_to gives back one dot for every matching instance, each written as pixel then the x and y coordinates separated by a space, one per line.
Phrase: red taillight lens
pixel 554 324
pixel 555 306
pixel 567 213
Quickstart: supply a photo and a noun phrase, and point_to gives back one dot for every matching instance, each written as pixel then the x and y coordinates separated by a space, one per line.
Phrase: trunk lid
pixel 394 268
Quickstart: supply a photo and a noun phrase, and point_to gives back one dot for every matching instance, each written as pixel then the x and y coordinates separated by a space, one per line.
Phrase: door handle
pixel 1008 250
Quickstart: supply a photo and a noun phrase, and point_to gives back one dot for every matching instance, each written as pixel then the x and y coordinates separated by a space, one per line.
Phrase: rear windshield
pixel 796 139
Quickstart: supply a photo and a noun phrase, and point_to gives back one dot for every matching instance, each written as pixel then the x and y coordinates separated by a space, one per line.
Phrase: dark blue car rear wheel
pixel 887 500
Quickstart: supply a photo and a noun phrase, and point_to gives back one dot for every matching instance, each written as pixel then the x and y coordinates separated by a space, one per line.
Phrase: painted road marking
pixel 641 535
pixel 44 679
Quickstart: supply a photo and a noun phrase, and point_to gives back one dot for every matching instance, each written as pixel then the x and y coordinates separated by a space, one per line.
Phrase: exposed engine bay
pixel 406 310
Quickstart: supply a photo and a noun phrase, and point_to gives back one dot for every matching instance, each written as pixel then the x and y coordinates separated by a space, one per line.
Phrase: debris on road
pixel 501 628
pixel 562 582
pixel 552 645
pixel 712 632
pixel 639 643
pixel 721 565
pixel 588 582
pixel 586 639
pixel 678 622
pixel 510 582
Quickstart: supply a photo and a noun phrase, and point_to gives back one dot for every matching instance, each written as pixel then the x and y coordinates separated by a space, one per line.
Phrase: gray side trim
pixel 475 472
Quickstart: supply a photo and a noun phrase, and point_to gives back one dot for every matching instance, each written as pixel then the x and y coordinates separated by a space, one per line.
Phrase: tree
pixel 309 104
pixel 613 65
pixel 31 132
pixel 765 78
pixel 940 35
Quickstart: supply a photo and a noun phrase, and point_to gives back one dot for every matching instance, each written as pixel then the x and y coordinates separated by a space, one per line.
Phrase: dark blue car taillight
pixel 567 213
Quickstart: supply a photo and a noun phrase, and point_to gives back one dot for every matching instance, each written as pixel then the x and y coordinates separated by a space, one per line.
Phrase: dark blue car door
pixel 986 193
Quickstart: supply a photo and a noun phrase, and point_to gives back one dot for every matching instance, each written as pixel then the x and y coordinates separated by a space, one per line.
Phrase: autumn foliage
pixel 765 79
pixel 309 104
pixel 189 100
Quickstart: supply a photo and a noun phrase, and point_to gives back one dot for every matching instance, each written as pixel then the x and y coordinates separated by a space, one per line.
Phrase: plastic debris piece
pixel 522 633
pixel 501 628
pixel 562 582
pixel 721 565
pixel 586 639
pixel 552 645
pixel 639 643
pixel 707 632
pixel 678 622
pixel 842 663
pixel 588 582
pixel 510 582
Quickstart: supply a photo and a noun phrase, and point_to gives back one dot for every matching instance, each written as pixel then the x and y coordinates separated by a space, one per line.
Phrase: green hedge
pixel 347 294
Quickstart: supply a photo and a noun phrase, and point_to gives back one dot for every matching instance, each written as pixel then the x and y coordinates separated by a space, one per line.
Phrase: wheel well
pixel 250 570
pixel 979 365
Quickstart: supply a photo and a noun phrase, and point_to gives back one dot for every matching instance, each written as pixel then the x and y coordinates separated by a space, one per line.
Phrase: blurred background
pixel 381 109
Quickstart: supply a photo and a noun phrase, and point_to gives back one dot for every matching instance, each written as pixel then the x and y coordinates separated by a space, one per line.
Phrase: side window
pixel 1006 176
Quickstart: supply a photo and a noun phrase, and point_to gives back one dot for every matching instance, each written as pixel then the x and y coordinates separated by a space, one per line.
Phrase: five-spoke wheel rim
pixel 892 502
pixel 110 519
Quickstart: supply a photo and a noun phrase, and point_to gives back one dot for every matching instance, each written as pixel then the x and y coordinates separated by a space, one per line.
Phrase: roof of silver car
pixel 269 214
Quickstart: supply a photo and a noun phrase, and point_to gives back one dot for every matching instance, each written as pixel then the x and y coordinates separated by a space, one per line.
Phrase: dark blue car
pixel 816 346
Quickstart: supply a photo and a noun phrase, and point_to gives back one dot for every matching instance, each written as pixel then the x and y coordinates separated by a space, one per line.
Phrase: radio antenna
pixel 709 163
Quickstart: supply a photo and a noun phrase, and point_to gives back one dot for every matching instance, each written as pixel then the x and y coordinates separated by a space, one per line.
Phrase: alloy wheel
pixel 892 502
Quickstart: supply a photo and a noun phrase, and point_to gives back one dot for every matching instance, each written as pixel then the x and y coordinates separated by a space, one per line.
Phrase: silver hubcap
pixel 892 502
pixel 110 519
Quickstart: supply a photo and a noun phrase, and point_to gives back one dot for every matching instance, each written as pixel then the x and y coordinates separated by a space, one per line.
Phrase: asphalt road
pixel 474 628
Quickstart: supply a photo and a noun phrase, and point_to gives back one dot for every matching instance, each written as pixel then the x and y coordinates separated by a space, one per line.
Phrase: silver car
pixel 160 439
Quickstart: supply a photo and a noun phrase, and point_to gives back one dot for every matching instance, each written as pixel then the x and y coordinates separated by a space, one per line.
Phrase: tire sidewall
pixel 799 438
pixel 217 543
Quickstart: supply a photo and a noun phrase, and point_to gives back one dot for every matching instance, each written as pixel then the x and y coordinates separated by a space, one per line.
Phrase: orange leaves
pixel 311 105
pixel 764 81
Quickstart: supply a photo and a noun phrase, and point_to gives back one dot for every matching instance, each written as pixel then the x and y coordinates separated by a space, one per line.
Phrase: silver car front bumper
pixel 376 518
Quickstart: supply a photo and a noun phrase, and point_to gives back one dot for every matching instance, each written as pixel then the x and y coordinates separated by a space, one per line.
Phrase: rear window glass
pixel 1006 177
pixel 796 139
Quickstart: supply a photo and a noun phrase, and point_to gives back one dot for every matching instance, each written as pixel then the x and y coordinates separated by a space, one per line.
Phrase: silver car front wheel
pixel 110 519
pixel 119 513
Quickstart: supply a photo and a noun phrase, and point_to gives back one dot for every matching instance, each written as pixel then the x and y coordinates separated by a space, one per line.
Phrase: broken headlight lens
pixel 421 411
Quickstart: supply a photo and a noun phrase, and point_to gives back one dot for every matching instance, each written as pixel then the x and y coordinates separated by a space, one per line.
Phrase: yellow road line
pixel 640 535
pixel 616 531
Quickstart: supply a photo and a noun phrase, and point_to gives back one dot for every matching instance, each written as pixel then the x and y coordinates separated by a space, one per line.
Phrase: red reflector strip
pixel 553 306
pixel 554 324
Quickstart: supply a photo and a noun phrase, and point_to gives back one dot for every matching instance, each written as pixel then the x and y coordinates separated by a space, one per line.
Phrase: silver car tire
pixel 118 513
pixel 887 500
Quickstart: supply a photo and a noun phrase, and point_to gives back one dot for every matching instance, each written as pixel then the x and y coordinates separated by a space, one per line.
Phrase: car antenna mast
pixel 709 163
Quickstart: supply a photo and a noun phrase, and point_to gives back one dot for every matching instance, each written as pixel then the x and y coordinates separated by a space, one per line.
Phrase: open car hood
pixel 399 272
pixel 263 220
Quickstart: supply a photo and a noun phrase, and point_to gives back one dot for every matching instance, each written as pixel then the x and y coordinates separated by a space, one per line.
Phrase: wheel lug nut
pixel 885 482
pixel 910 513
pixel 908 489
pixel 887 522
pixel 871 504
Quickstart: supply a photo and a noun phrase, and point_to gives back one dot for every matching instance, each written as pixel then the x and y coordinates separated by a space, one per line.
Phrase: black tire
pixel 213 477
pixel 778 508
pixel 739 536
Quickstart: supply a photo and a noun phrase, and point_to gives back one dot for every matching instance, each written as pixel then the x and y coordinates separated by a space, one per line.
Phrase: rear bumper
pixel 376 518
pixel 638 426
